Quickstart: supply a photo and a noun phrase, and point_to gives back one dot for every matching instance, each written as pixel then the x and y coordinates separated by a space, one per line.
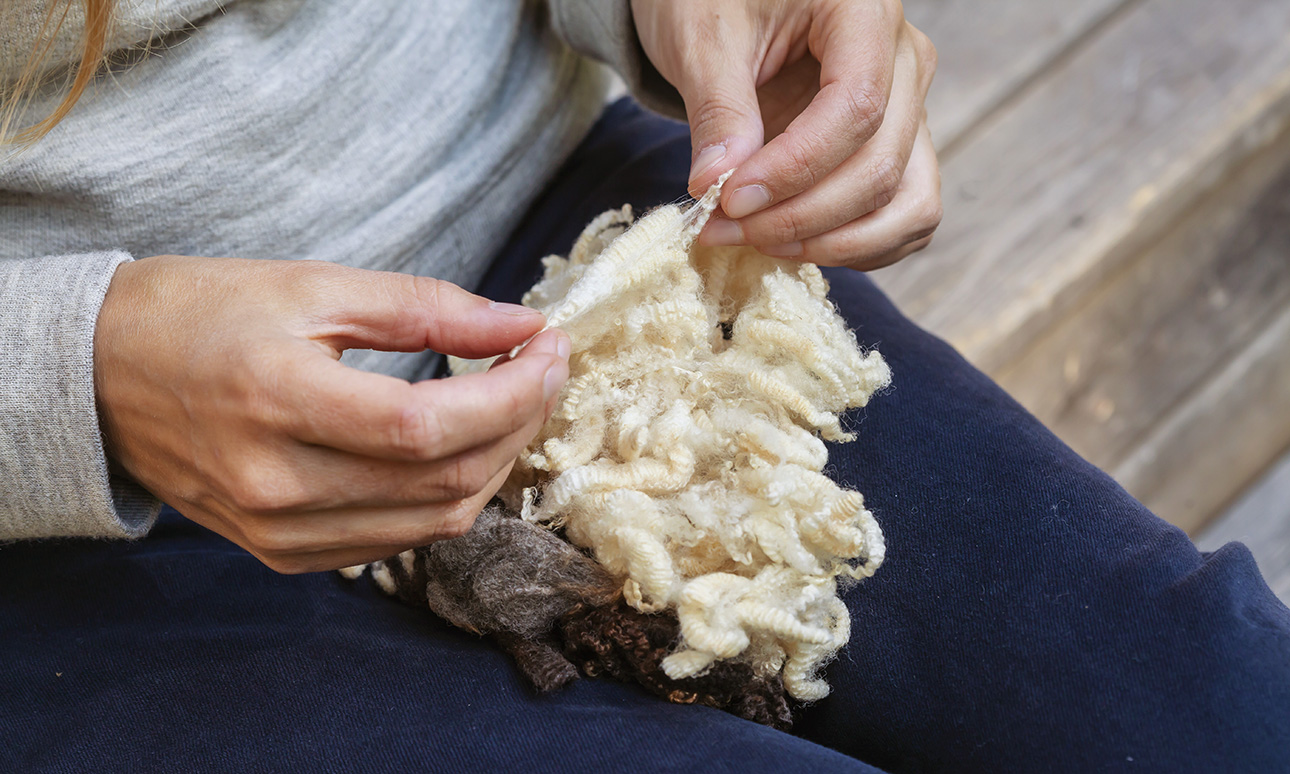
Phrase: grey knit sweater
pixel 403 135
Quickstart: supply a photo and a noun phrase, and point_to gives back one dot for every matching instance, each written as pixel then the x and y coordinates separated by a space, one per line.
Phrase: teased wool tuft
pixel 685 452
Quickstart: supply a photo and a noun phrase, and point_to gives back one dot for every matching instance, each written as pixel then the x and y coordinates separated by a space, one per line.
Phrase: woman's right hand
pixel 220 391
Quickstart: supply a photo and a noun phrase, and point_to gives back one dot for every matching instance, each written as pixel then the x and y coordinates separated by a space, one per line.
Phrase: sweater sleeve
pixel 605 31
pixel 54 478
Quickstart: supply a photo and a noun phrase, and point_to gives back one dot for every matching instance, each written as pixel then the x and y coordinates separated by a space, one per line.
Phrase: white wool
pixel 690 464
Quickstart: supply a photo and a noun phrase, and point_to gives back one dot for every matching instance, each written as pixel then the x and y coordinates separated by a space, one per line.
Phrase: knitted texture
pixel 685 453
pixel 239 136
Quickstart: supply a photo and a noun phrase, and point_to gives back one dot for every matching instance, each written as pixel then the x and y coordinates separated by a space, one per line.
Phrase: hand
pixel 219 391
pixel 834 89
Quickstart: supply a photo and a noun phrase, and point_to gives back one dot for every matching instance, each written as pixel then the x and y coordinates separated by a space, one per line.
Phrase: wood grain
pixel 1060 189
pixel 989 50
pixel 1156 332
pixel 1216 443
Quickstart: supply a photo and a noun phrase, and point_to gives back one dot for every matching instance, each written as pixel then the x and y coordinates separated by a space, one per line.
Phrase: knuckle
pixel 257 492
pixel 779 226
pixel 712 117
pixel 931 58
pixel 283 564
pixel 865 106
pixel 267 540
pixel 885 177
pixel 928 56
pixel 279 566
pixel 426 293
pixel 822 253
pixel 803 155
pixel 928 216
pixel 465 478
pixel 251 494
pixel 418 300
pixel 315 282
pixel 258 364
pixel 417 433
pixel 455 524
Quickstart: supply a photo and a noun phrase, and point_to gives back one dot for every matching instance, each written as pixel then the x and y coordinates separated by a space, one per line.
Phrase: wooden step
pixel 1174 375
pixel 989 53
pixel 1092 193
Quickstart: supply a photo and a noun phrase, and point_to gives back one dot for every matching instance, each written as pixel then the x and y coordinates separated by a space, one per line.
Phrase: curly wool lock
pixel 685 452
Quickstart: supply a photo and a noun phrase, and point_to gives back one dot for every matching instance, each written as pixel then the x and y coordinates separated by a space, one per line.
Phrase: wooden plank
pixel 1187 467
pixel 1059 189
pixel 1261 520
pixel 1155 332
pixel 987 51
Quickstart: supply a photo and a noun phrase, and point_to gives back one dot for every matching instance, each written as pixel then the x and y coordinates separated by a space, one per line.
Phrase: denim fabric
pixel 1030 616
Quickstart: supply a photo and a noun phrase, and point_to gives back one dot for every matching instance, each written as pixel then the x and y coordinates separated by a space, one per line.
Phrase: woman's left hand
pixel 819 104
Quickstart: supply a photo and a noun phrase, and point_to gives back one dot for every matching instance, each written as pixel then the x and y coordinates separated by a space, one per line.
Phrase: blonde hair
pixel 16 97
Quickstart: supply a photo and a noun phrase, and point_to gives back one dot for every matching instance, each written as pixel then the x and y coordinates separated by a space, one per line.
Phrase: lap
pixel 182 652
pixel 1030 615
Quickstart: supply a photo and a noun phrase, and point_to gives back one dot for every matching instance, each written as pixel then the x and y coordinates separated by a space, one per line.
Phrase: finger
pixel 304 479
pixel 898 255
pixel 871 241
pixel 856 47
pixel 720 94
pixel 563 347
pixel 787 94
pixel 863 183
pixel 397 312
pixel 332 405
pixel 344 538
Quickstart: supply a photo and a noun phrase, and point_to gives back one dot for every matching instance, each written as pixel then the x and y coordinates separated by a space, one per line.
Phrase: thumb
pixel 721 105
pixel 396 312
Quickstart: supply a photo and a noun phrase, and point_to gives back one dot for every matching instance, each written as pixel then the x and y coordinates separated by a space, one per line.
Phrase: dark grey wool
pixel 550 606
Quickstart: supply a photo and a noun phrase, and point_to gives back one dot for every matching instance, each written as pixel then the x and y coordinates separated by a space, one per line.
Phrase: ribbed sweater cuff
pixel 54 478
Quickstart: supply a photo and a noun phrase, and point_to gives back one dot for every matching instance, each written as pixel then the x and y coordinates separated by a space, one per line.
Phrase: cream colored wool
pixel 690 464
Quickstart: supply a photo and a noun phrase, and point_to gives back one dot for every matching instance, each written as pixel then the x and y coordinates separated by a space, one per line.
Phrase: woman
pixel 1030 615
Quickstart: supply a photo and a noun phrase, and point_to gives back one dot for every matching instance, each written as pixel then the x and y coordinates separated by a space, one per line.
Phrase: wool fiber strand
pixel 686 452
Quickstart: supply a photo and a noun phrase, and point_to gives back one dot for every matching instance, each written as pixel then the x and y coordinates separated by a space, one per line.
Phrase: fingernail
pixel 563 346
pixel 514 310
pixel 747 200
pixel 554 379
pixel 790 250
pixel 706 159
pixel 720 232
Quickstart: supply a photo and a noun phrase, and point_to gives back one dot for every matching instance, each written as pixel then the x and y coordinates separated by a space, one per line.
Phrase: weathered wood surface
pixel 1185 468
pixel 988 50
pixel 1261 520
pixel 1145 345
pixel 1059 187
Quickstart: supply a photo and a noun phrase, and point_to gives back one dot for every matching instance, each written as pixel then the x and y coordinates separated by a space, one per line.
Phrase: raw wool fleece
pixel 555 610
pixel 505 578
pixel 685 452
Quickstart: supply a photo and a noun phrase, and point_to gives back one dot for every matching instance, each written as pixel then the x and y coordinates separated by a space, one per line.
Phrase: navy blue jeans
pixel 1030 616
